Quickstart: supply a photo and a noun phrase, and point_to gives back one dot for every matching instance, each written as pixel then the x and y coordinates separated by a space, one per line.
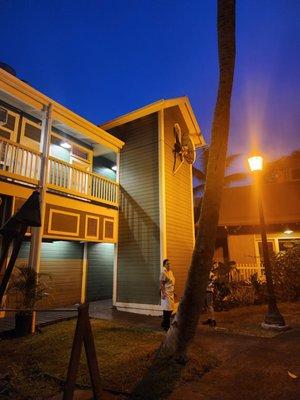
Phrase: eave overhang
pixel 25 97
pixel 182 102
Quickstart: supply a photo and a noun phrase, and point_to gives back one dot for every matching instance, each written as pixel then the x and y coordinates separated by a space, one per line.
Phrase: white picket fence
pixel 244 271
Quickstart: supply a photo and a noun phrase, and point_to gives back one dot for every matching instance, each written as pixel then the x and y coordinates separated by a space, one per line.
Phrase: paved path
pixel 99 309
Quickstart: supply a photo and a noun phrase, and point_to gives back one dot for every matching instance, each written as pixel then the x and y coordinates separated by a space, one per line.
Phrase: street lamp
pixel 273 316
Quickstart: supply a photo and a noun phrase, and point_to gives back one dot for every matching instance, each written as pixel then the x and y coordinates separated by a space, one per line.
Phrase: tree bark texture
pixel 184 327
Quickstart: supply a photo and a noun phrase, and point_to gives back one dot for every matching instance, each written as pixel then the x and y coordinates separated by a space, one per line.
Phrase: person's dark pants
pixel 166 320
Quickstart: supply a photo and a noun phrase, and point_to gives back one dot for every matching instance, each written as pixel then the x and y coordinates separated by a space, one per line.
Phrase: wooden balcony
pixel 19 163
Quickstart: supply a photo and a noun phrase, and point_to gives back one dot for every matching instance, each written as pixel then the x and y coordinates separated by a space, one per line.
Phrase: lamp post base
pixel 275 327
pixel 273 316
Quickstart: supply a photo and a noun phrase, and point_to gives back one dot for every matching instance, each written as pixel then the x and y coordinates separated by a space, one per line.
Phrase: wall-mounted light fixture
pixel 288 231
pixel 65 145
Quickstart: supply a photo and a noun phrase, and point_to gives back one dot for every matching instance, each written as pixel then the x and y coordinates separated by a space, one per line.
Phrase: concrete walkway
pixel 101 309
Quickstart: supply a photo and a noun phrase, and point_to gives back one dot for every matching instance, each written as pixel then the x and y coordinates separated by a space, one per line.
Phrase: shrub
pixel 259 289
pixel 285 267
pixel 241 293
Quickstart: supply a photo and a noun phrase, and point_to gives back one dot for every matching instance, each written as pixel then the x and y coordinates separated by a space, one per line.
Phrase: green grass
pixel 124 355
pixel 247 320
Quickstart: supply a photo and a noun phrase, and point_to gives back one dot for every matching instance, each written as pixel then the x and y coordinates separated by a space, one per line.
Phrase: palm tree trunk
pixel 184 328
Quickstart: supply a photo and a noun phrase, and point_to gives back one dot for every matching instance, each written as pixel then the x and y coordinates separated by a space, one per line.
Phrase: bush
pixel 285 267
pixel 259 289
pixel 230 293
pixel 241 294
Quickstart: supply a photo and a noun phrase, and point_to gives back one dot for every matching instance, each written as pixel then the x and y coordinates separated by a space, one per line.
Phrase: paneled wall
pixel 139 238
pixel 100 264
pixel 62 262
pixel 179 207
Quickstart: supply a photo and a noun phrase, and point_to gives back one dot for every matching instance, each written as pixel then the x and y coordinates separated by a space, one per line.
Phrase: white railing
pixel 21 163
pixel 65 177
pixel 18 161
pixel 244 272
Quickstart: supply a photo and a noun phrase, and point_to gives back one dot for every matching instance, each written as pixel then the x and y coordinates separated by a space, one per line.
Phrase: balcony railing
pixel 23 164
pixel 19 162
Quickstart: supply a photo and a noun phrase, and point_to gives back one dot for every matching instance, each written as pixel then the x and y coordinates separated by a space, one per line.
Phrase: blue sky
pixel 105 58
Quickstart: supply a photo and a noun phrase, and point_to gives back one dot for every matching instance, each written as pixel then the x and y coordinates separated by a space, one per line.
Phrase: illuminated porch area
pixel 80 158
pixel 20 164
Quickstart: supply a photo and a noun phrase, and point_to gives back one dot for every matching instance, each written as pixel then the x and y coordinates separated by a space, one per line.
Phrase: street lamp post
pixel 273 316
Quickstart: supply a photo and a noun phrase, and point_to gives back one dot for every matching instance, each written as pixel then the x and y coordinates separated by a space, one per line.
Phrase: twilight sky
pixel 104 58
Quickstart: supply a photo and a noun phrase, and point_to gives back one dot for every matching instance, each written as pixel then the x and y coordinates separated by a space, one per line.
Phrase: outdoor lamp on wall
pixel 273 316
pixel 65 145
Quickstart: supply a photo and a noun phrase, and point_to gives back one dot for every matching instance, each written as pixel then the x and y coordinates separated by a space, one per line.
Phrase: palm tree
pixel 200 173
pixel 184 328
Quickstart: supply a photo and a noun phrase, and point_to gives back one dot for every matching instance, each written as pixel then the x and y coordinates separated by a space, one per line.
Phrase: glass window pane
pixel 286 244
pixel 32 132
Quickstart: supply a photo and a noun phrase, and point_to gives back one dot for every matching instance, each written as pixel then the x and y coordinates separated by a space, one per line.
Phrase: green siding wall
pixel 139 240
pixel 62 261
pixel 55 250
pixel 100 271
pixel 179 206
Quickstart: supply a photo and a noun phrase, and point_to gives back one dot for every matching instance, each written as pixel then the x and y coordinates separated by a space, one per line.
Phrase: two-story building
pixel 114 208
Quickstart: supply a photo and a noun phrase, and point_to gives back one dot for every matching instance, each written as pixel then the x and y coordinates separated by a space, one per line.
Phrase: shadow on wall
pixel 139 252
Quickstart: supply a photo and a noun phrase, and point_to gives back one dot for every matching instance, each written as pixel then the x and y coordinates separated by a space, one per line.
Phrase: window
pixel 9 130
pixel 31 134
pixel 57 151
pixel 286 244
pixel 78 152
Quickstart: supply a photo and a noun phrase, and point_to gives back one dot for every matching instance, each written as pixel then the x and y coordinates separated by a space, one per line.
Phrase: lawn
pixel 35 367
pixel 247 320
pixel 32 367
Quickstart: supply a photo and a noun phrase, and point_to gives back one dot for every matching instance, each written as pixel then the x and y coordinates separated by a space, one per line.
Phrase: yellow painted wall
pixel 78 207
pixel 242 248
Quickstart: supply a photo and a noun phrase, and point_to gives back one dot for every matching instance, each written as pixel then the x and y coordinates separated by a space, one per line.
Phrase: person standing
pixel 167 286
pixel 210 303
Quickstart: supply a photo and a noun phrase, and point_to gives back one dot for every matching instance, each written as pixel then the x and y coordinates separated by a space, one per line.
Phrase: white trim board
pixel 146 309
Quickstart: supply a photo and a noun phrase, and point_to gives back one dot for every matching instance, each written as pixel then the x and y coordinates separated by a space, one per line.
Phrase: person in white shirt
pixel 167 290
pixel 210 302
